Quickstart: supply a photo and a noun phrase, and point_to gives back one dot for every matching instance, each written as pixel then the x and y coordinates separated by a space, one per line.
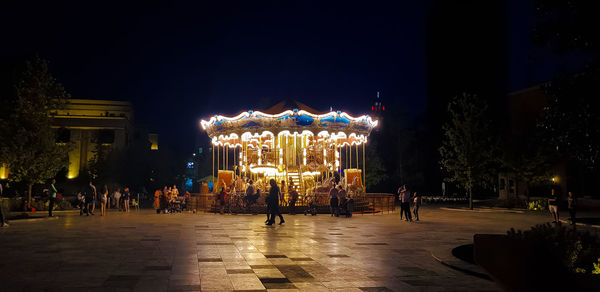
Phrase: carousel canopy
pixel 289 119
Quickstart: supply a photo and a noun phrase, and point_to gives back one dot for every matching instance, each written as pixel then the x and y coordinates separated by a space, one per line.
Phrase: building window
pixel 63 135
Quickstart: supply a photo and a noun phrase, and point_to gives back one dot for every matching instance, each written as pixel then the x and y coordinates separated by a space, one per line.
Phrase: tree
pixel 529 168
pixel 27 141
pixel 468 149
pixel 374 170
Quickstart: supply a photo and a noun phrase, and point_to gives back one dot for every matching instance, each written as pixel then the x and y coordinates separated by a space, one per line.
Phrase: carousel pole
pixel 349 153
pixel 364 169
pixel 213 166
pixel 234 162
pixel 357 166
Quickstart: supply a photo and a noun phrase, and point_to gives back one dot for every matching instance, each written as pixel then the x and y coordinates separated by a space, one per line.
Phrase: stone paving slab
pixel 144 251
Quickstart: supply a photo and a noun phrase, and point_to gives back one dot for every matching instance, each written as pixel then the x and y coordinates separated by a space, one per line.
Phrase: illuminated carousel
pixel 293 143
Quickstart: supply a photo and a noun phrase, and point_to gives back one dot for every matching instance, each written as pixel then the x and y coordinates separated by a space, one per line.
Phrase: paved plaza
pixel 143 251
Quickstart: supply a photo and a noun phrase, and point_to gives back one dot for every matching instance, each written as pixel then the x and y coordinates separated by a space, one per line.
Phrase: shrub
pixel 596 270
pixel 538 205
pixel 578 250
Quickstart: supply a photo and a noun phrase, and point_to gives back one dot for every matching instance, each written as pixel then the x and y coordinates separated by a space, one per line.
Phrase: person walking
pixel 52 198
pixel 553 206
pixel 126 198
pixel 572 204
pixel 103 200
pixel 333 202
pixel 273 203
pixel 416 205
pixel 90 198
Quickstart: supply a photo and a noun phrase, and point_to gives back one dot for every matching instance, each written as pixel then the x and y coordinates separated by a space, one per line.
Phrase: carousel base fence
pixel 370 203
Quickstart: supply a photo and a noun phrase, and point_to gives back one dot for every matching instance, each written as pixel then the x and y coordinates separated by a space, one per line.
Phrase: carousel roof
pixel 290 118
pixel 291 105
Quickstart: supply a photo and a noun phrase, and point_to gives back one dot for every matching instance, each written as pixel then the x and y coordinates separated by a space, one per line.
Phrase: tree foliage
pixel 567 26
pixel 469 150
pixel 27 141
pixel 571 118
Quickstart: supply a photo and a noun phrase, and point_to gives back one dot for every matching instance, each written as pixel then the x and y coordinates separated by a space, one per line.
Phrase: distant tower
pixel 378 106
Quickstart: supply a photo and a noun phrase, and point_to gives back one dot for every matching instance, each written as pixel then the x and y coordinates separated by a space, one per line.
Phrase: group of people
pixel 338 201
pixel 553 206
pixel 168 200
pixel 408 200
pixel 89 196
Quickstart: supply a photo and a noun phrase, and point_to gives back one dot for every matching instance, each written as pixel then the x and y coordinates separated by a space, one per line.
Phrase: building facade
pixel 88 124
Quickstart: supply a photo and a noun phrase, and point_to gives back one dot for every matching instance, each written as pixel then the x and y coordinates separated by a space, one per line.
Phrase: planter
pixel 522 265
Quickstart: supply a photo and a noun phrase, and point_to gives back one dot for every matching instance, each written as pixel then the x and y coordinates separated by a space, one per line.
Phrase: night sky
pixel 181 62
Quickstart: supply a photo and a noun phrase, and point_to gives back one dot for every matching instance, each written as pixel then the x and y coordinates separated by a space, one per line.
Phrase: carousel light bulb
pixel 337 154
pixel 304 160
pixel 324 153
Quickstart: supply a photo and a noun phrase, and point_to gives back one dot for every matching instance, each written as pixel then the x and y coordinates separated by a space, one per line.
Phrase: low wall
pixel 382 201
pixel 201 202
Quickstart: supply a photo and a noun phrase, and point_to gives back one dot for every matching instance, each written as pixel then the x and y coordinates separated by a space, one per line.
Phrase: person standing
pixel 400 191
pixel 126 198
pixel 405 204
pixel 3 221
pixel 333 201
pixel 293 198
pixel 117 196
pixel 282 193
pixel 342 200
pixel 52 198
pixel 90 198
pixel 156 204
pixel 81 200
pixel 273 203
pixel 553 206
pixel 416 205
pixel 174 192
pixel 572 204
pixel 103 199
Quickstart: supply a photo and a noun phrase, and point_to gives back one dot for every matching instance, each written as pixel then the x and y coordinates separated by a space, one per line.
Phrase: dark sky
pixel 181 62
